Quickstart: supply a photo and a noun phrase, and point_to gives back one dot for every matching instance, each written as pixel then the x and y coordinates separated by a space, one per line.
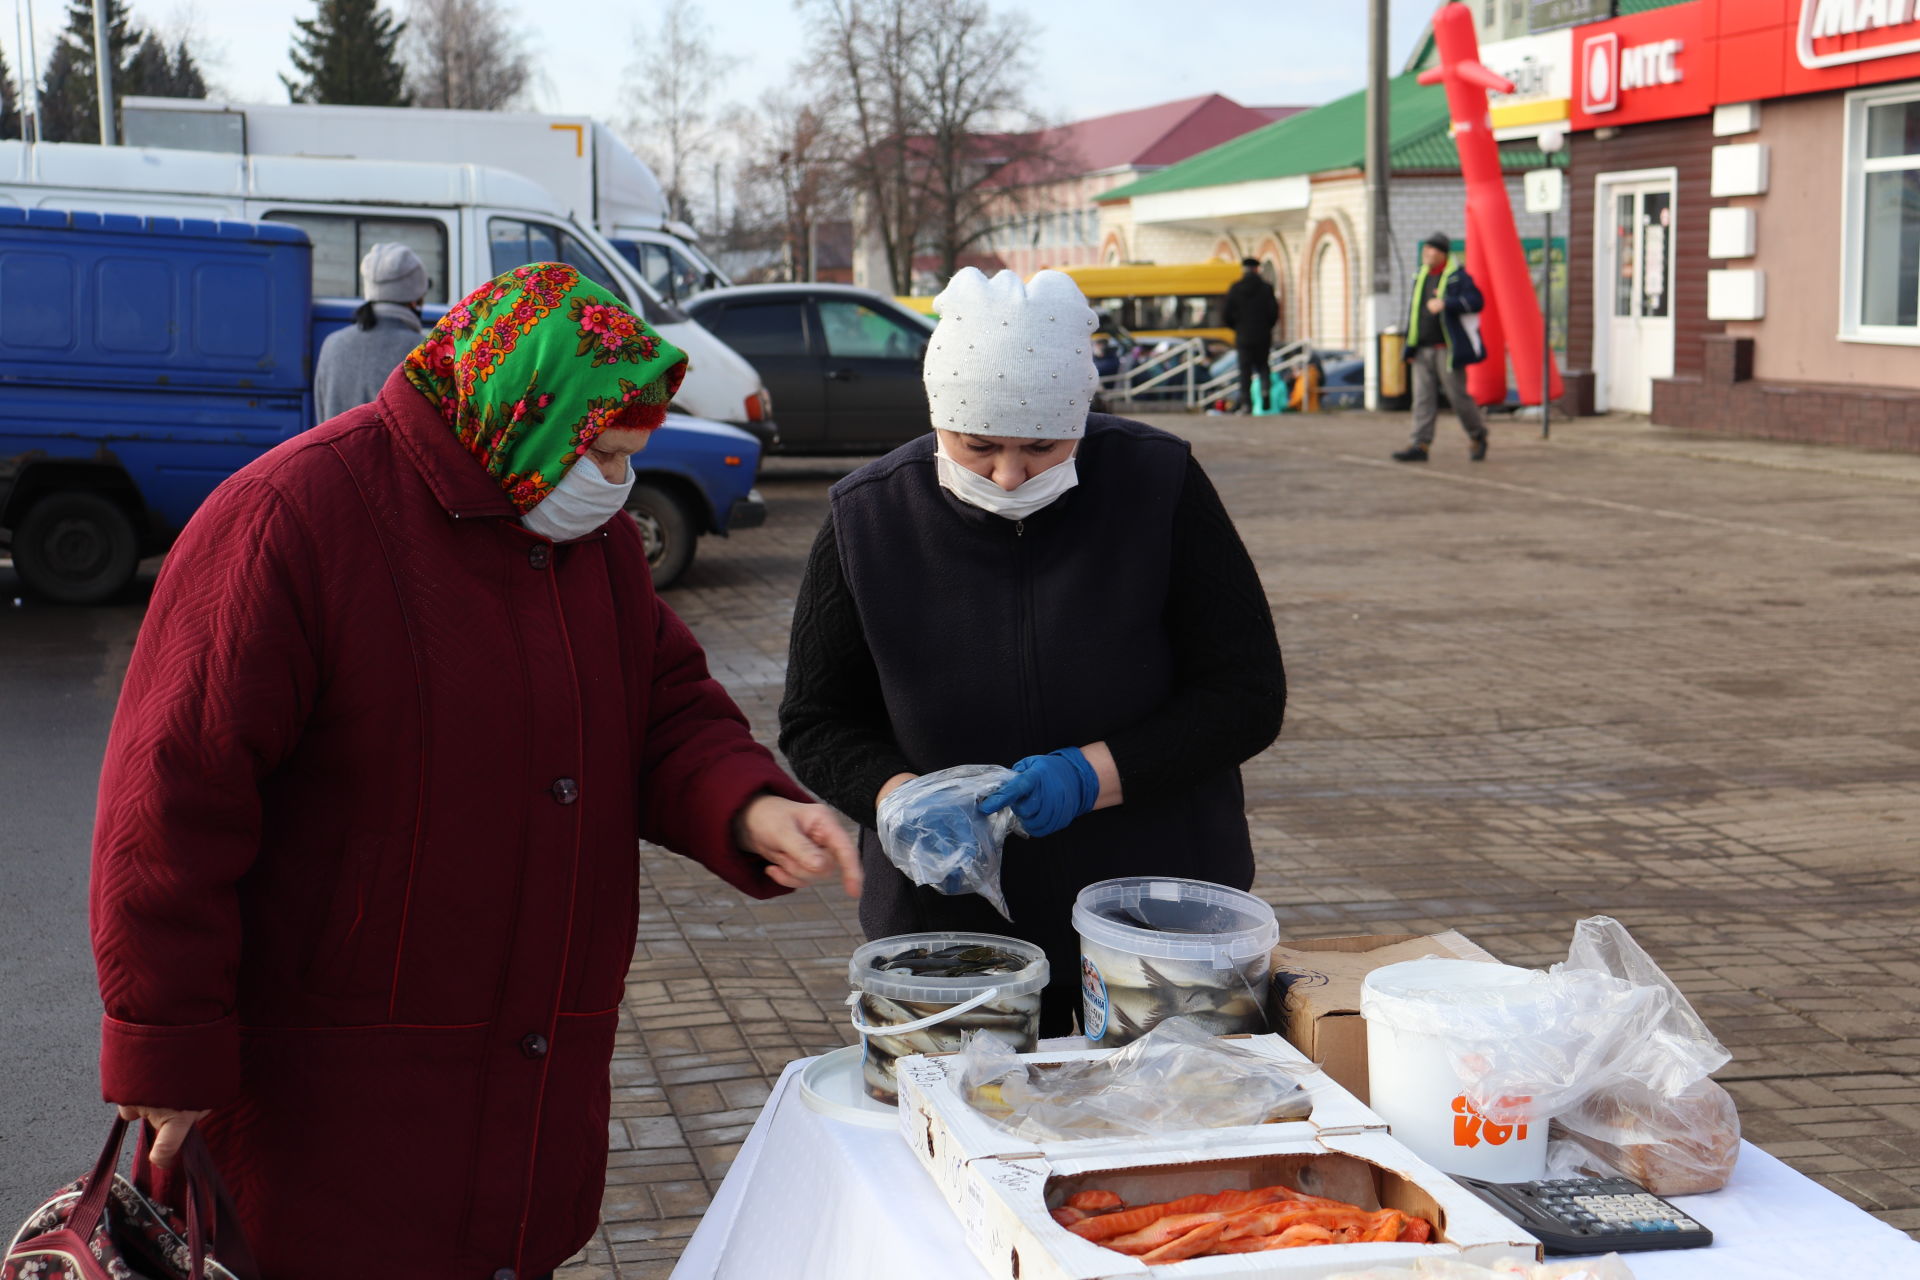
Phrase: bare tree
pixel 465 54
pixel 939 137
pixel 671 122
pixel 790 176
pixel 865 49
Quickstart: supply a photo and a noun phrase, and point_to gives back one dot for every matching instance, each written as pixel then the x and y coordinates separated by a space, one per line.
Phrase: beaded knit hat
pixel 1011 358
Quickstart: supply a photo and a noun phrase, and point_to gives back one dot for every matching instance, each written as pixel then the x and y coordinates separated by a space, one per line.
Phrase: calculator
pixel 1592 1215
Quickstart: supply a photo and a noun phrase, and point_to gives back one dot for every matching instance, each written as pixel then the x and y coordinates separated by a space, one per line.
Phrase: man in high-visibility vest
pixel 1443 338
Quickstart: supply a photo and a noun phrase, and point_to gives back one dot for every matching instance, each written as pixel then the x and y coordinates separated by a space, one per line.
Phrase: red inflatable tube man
pixel 1496 242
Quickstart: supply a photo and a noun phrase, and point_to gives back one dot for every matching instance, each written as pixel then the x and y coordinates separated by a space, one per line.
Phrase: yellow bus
pixel 1182 300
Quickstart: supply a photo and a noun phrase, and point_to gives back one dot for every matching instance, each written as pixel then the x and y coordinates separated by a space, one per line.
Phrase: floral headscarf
pixel 532 366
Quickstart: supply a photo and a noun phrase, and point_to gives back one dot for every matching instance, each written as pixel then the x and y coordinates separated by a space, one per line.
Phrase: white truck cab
pixel 467 222
pixel 581 163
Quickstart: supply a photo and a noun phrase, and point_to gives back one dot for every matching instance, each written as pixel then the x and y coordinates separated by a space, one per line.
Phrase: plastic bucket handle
pixel 905 1028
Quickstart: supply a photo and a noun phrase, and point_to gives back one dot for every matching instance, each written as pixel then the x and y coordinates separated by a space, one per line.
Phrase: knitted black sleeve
pixel 1229 686
pixel 833 720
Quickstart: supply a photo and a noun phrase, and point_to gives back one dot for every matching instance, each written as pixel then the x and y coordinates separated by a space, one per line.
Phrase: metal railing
pixel 1180 373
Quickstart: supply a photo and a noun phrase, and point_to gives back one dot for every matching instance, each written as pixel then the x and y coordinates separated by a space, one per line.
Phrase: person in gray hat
pixel 354 362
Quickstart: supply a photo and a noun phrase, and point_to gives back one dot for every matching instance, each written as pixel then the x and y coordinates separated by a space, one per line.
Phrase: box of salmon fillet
pixel 1259 1207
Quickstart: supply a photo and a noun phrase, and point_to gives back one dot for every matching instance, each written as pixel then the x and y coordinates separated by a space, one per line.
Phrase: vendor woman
pixel 1036 586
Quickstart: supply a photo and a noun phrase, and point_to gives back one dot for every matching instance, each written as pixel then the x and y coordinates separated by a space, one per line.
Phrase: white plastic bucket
pixel 1411 1076
pixel 1154 947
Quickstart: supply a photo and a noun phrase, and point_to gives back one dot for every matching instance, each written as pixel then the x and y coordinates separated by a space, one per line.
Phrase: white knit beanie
pixel 1012 359
pixel 392 273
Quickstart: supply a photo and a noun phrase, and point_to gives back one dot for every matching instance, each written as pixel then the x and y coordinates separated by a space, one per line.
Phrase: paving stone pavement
pixel 1625 671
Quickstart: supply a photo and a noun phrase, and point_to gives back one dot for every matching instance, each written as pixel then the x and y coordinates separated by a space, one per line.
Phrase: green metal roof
pixel 1625 7
pixel 1327 138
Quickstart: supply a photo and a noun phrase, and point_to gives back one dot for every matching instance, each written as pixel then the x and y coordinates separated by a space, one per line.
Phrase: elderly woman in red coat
pixel 365 865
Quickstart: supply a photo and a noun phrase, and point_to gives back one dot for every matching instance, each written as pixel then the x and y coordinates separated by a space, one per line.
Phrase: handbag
pixel 105 1227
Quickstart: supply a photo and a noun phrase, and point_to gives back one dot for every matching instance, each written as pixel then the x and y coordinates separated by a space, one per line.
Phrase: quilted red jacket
pixel 364 875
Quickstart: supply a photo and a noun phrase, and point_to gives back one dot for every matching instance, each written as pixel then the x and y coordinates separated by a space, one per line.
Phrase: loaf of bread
pixel 1673 1146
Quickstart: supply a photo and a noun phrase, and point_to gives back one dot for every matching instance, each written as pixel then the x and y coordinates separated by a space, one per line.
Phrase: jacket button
pixel 504 1273
pixel 566 790
pixel 533 1044
pixel 537 555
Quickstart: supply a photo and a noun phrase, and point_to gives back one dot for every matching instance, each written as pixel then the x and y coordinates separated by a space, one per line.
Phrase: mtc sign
pixel 1836 32
pixel 1639 68
pixel 1612 70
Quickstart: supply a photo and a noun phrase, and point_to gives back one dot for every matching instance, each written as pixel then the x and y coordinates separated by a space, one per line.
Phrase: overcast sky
pixel 1093 56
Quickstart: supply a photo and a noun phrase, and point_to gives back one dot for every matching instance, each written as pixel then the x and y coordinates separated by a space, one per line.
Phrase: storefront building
pixel 1293 196
pixel 1745 204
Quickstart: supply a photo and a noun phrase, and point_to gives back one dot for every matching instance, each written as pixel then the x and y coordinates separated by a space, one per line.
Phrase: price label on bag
pixel 1545 188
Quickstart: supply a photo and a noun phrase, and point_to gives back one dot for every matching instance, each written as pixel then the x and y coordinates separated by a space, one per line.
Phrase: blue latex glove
pixel 1048 791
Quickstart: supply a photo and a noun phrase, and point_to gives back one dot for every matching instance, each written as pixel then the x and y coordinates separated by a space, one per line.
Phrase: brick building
pixel 1745 234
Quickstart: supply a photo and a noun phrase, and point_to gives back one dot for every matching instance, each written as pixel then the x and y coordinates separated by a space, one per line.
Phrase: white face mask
pixel 582 502
pixel 976 490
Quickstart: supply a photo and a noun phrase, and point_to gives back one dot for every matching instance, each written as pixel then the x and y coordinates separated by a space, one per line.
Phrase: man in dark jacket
pixel 1443 338
pixel 1252 311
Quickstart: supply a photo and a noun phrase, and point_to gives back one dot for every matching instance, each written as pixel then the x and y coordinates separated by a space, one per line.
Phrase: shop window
pixel 1881 285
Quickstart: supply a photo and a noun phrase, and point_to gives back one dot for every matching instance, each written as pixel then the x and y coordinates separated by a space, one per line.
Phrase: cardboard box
pixel 1315 997
pixel 1004 1206
pixel 947 1134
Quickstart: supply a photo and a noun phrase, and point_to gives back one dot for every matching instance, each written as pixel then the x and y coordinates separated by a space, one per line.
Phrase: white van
pixel 468 223
pixel 580 162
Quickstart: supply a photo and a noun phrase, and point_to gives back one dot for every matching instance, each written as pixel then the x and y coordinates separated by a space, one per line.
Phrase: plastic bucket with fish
pixel 1154 947
pixel 923 992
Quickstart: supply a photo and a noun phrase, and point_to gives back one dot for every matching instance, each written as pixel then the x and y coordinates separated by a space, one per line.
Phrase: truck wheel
pixel 76 548
pixel 667 528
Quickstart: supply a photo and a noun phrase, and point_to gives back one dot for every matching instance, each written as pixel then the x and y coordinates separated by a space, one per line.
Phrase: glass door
pixel 1639 268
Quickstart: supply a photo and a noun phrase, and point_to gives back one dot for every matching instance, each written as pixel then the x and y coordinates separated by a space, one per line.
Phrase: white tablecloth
pixel 809 1197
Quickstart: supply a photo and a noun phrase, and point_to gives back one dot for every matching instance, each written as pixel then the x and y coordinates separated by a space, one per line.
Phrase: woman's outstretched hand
pixel 804 844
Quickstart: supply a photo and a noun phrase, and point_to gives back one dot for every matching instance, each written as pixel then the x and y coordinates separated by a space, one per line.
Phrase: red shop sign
pixel 1836 32
pixel 1651 66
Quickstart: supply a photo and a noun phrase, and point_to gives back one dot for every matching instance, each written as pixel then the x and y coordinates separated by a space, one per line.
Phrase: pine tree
pixel 346 53
pixel 9 102
pixel 69 101
pixel 162 73
pixel 142 64
pixel 187 80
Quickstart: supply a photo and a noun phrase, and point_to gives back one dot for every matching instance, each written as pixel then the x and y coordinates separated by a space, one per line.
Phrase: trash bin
pixel 1392 364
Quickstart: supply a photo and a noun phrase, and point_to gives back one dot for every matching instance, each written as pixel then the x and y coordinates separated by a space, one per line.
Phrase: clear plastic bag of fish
pixel 932 829
pixel 1175 1078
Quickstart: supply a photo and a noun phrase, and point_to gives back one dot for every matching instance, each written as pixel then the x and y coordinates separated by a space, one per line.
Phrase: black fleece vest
pixel 997 639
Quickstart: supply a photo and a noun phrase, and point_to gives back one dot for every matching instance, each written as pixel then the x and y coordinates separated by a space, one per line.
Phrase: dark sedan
pixel 842 364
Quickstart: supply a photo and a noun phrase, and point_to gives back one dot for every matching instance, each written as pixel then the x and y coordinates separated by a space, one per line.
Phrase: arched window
pixel 1329 327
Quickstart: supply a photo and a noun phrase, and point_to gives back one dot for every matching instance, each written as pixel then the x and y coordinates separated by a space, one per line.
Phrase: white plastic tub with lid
pixel 1156 947
pixel 1411 1077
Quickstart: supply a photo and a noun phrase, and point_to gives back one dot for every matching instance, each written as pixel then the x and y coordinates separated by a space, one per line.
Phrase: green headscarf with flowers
pixel 532 366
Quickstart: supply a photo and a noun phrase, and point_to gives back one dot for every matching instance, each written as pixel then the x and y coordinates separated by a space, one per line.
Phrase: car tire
pixel 76 548
pixel 666 526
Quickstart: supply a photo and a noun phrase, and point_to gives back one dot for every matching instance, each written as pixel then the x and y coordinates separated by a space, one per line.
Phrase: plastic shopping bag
pixel 1663 1123
pixel 1606 1045
pixel 1178 1077
pixel 932 829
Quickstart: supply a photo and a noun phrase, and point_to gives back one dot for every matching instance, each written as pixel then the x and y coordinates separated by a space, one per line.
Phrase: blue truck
pixel 145 359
